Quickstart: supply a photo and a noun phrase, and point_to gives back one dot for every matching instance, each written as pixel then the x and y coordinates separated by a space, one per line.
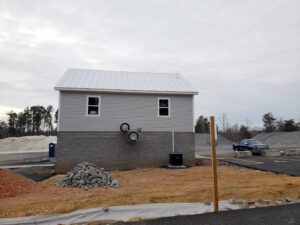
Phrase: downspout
pixel 173 142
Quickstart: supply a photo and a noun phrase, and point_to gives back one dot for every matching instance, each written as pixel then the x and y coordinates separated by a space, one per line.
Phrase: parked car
pixel 252 145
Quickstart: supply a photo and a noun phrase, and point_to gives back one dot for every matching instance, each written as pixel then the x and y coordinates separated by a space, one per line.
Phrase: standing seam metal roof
pixel 121 81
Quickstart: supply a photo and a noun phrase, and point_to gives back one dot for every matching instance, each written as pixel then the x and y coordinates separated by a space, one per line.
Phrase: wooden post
pixel 214 162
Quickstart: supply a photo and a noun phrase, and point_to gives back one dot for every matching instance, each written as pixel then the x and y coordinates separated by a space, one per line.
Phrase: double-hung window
pixel 163 107
pixel 93 105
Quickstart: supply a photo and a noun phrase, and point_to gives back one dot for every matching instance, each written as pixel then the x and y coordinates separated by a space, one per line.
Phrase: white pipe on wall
pixel 173 143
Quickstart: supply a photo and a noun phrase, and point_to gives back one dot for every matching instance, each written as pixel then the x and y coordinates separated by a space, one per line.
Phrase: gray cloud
pixel 242 56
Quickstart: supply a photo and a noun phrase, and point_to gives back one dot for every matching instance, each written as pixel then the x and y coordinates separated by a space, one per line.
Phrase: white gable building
pixel 93 104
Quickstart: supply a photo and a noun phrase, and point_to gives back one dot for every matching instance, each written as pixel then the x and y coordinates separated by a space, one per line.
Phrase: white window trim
pixel 87 105
pixel 193 108
pixel 169 106
pixel 59 111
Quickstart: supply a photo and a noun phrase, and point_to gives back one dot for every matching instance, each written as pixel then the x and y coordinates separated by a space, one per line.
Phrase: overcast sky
pixel 242 56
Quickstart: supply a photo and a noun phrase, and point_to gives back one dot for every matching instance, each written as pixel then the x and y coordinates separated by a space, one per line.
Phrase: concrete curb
pixel 271 153
pixel 278 152
pixel 242 154
pixel 292 152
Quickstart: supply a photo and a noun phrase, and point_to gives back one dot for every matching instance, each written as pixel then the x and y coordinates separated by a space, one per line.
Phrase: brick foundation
pixel 111 150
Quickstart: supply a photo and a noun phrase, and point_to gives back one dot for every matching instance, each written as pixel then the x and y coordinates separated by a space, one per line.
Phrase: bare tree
pixel 248 123
pixel 224 122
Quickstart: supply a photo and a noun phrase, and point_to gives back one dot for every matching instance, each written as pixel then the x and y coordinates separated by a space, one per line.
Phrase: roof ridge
pixel 123 71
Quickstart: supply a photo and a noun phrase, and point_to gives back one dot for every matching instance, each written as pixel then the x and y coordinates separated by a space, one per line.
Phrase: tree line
pixel 237 132
pixel 272 124
pixel 33 120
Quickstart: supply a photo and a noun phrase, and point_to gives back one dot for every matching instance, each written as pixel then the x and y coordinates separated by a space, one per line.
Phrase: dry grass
pixel 153 186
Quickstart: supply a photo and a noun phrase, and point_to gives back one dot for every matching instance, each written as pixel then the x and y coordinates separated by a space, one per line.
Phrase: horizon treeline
pixel 33 120
pixel 238 132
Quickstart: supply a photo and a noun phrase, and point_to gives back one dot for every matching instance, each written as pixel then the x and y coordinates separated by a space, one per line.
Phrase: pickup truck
pixel 252 145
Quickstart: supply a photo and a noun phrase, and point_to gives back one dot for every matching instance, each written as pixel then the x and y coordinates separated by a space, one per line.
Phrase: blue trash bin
pixel 51 150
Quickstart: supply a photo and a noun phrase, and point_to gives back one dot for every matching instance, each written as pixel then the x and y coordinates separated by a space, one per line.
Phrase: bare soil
pixel 154 186
pixel 13 184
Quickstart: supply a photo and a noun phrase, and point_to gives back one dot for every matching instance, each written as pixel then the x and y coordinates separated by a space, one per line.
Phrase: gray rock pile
pixel 87 175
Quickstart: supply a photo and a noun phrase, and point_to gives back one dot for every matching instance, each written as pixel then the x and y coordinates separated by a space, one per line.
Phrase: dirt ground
pixel 12 184
pixel 153 186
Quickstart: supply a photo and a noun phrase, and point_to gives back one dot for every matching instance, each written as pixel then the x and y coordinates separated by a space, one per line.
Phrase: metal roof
pixel 121 81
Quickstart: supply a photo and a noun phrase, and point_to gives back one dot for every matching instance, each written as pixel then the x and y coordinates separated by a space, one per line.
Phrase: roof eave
pixel 126 91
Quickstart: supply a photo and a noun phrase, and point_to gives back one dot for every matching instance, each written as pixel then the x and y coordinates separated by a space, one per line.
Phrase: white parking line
pixel 248 161
pixel 284 159
pixel 280 161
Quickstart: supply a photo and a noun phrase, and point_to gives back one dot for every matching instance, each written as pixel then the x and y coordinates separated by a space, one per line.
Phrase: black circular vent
pixel 133 136
pixel 124 127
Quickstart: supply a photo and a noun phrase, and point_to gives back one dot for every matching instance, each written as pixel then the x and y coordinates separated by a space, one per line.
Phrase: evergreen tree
pixel 290 125
pixel 12 123
pixel 48 118
pixel 21 124
pixel 269 122
pixel 28 121
pixel 244 132
pixel 202 125
pixel 56 116
pixel 38 113
pixel 3 129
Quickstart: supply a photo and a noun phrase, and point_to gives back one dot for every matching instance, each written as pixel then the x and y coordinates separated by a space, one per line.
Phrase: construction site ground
pixel 138 186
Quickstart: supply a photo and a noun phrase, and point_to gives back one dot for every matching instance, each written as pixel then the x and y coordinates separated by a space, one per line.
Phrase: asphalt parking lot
pixel 284 164
pixel 276 215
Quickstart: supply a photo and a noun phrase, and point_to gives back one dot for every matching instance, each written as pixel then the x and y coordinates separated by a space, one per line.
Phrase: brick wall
pixel 111 149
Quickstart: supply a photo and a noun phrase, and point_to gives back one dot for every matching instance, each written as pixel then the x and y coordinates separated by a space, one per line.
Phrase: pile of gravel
pixel 286 139
pixel 87 175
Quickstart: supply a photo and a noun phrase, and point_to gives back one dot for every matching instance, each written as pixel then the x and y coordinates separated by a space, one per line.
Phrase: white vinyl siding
pixel 139 110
